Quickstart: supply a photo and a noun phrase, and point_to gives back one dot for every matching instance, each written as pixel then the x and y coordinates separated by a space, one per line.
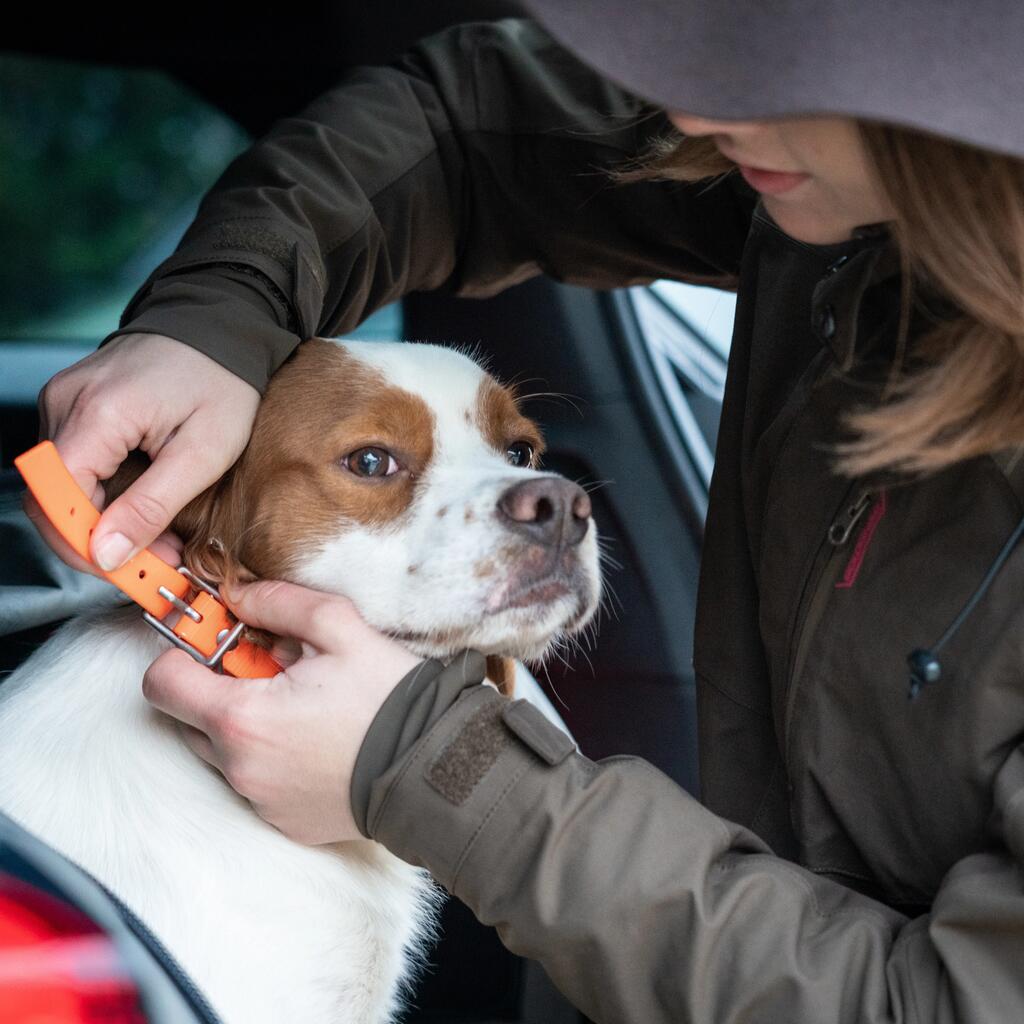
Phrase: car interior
pixel 630 385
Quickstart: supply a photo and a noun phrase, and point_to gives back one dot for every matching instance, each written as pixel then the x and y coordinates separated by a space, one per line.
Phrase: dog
pixel 402 476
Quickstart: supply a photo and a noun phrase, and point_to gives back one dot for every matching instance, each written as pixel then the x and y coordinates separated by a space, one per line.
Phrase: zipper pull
pixel 842 526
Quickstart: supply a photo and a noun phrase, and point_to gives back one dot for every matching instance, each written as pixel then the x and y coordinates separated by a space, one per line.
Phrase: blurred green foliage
pixel 100 172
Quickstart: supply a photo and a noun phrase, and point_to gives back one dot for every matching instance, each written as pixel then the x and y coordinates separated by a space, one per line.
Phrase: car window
pixel 101 171
pixel 687 330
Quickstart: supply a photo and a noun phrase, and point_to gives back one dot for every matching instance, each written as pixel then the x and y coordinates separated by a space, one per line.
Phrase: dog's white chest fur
pixel 271 931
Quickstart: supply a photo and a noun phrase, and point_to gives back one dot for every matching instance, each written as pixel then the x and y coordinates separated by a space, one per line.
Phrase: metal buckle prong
pixel 185 609
pixel 227 638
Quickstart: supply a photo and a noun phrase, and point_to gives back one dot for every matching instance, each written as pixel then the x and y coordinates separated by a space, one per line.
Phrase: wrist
pixel 421 697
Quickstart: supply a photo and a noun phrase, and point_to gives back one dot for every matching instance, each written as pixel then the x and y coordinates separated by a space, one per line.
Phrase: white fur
pixel 270 930
pixel 371 564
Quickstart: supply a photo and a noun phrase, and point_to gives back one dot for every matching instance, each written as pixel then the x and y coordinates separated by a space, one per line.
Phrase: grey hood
pixel 951 67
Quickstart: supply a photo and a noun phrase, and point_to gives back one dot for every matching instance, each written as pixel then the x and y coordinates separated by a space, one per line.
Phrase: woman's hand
pixel 190 415
pixel 288 744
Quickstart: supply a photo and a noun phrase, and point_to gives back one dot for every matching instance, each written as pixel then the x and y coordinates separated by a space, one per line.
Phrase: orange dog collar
pixel 205 629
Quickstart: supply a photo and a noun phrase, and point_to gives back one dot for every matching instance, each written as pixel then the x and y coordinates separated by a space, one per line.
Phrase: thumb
pixel 182 688
pixel 182 469
pixel 293 611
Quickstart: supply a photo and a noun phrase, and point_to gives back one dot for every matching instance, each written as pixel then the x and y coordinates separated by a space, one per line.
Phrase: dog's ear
pixel 502 672
pixel 210 525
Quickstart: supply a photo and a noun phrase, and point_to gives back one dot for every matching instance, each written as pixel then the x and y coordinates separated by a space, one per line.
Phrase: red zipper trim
pixel 860 550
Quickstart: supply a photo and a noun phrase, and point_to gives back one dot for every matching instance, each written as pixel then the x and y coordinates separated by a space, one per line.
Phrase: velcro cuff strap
pixel 475 749
pixel 473 752
pixel 545 739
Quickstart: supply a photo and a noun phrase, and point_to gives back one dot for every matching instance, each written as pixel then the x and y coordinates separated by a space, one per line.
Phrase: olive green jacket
pixel 857 856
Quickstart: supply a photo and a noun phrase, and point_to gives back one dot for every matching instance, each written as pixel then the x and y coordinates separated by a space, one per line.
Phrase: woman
pixel 858 856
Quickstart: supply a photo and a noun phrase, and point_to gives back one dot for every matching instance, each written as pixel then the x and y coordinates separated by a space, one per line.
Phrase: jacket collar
pixel 868 259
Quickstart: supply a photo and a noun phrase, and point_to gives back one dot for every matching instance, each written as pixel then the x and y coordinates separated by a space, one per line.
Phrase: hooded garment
pixel 950 67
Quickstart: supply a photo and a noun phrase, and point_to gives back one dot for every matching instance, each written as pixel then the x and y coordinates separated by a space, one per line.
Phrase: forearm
pixel 641 904
pixel 478 160
pixel 230 312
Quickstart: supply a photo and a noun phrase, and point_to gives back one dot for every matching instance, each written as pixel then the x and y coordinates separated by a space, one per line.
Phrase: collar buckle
pixel 227 638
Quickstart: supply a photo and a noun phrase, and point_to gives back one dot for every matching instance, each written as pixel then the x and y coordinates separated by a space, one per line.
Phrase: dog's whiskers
pixel 576 647
pixel 555 396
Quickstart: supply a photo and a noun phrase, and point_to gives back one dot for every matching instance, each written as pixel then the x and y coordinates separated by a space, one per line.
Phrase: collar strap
pixel 205 628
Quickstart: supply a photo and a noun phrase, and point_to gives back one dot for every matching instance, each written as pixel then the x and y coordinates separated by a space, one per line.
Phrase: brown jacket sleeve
pixel 477 161
pixel 644 907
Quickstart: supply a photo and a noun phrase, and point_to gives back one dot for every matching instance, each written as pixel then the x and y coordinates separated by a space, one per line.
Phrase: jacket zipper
pixel 856 503
pixel 842 526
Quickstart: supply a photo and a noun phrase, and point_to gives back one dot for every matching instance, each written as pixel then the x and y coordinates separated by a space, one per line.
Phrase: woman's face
pixel 812 172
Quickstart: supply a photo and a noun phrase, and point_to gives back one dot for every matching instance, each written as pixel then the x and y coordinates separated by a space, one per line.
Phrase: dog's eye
pixel 519 453
pixel 371 462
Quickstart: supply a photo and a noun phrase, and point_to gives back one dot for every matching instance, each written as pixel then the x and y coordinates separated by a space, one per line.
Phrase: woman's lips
pixel 771 183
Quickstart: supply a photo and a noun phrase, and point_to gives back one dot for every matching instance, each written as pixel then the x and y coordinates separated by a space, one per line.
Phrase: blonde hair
pixel 957 391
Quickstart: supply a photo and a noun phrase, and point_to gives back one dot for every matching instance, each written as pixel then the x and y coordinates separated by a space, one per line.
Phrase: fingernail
pixel 113 551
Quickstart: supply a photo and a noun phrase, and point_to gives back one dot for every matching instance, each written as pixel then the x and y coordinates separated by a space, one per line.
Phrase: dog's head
pixel 404 477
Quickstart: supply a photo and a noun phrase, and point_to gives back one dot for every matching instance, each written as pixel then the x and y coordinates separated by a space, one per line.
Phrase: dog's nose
pixel 549 510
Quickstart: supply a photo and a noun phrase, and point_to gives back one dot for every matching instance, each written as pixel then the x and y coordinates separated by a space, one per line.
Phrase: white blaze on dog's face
pixel 400 475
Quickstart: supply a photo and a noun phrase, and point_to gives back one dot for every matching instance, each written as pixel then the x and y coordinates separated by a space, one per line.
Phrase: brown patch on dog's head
pixel 291 488
pixel 500 421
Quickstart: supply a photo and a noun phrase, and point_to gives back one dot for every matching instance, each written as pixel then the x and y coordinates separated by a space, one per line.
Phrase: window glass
pixel 384 325
pixel 687 331
pixel 709 312
pixel 101 171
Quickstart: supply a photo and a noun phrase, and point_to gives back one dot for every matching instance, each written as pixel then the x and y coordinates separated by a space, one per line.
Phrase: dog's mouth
pixel 535 578
pixel 538 592
pixel 518 601
pixel 519 619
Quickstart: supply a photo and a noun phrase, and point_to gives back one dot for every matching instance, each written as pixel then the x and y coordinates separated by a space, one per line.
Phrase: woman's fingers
pixel 293 611
pixel 169 547
pixel 182 469
pixel 51 535
pixel 179 686
pixel 191 415
pixel 199 743
pixel 92 445
pixel 288 744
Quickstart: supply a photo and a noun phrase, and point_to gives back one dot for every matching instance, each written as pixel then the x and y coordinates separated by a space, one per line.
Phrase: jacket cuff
pixel 412 708
pixel 230 314
pixel 434 803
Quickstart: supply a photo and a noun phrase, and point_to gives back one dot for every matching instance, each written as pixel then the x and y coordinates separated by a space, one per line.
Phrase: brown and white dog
pixel 402 476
